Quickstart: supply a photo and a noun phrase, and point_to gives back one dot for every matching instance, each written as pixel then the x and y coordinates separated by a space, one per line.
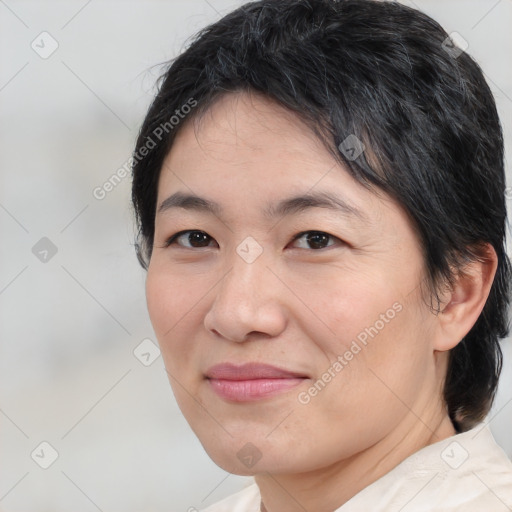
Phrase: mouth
pixel 251 381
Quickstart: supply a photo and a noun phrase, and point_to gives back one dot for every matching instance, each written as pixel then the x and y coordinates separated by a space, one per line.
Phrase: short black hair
pixel 391 77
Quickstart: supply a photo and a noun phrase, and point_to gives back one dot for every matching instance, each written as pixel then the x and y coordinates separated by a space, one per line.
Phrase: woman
pixel 319 189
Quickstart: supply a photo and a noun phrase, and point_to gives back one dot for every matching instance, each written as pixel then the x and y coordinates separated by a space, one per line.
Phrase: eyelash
pixel 172 239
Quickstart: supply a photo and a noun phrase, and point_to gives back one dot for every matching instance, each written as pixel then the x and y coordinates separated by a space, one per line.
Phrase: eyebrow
pixel 289 206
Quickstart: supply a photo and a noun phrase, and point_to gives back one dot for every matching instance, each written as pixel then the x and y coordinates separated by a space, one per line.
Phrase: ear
pixel 464 301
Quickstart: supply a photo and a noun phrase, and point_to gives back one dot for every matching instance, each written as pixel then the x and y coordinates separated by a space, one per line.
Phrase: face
pixel 293 331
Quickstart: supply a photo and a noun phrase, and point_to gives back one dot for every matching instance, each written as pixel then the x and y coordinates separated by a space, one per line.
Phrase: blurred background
pixel 87 418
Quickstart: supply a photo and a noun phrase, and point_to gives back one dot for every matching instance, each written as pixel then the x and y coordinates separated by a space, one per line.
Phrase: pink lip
pixel 251 381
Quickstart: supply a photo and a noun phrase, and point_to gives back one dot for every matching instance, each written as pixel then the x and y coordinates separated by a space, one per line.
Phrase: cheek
pixel 173 308
pixel 384 357
pixel 162 301
pixel 171 296
pixel 347 306
pixel 370 322
pixel 172 304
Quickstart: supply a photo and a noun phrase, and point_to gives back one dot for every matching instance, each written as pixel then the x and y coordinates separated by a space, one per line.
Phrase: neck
pixel 327 489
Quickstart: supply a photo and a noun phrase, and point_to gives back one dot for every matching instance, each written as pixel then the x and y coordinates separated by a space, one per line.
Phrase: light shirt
pixel 468 472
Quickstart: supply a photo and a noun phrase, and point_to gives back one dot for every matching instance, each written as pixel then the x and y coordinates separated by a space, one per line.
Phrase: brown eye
pixel 190 239
pixel 314 240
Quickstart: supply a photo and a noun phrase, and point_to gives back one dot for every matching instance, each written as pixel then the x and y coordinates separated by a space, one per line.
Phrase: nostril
pixel 241 339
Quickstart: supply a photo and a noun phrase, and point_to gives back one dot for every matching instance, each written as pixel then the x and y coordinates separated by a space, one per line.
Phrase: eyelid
pixel 317 231
pixel 170 240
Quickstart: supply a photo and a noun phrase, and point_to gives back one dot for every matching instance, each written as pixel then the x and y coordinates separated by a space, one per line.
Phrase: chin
pixel 243 461
pixel 240 456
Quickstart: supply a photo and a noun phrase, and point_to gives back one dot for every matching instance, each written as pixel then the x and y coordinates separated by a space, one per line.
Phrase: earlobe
pixel 466 299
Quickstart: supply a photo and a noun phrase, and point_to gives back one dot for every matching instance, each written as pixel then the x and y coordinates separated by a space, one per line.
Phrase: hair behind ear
pixel 475 363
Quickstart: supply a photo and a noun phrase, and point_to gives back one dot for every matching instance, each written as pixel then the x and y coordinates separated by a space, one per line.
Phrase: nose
pixel 247 303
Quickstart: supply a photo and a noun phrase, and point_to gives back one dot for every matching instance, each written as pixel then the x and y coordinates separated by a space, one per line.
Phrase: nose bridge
pixel 245 300
pixel 248 273
pixel 241 283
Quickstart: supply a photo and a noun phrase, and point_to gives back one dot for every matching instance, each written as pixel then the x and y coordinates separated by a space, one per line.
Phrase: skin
pixel 299 307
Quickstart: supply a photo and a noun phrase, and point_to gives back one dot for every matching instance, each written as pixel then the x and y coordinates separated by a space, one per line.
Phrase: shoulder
pixel 468 472
pixel 478 473
pixel 247 500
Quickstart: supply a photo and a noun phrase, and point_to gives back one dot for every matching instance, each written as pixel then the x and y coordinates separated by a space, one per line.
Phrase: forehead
pixel 250 123
pixel 246 135
pixel 247 150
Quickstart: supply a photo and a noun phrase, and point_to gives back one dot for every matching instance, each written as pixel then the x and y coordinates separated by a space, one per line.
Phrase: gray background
pixel 70 321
